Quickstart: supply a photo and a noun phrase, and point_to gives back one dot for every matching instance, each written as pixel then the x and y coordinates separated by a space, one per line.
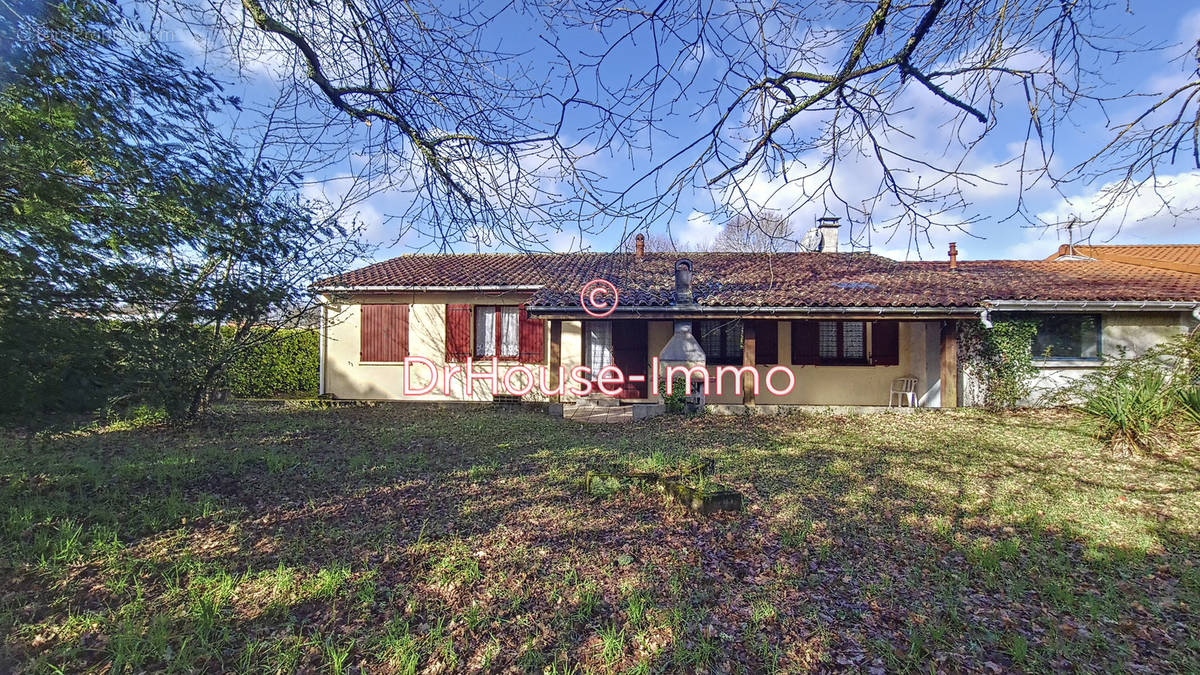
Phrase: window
pixel 383 333
pixel 829 343
pixel 842 341
pixel 1064 336
pixel 598 345
pixel 721 340
pixel 497 331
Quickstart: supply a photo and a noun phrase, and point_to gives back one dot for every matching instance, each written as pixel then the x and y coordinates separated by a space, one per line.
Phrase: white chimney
pixel 828 227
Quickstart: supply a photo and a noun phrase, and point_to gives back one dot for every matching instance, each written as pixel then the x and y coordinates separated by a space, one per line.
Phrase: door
pixel 622 344
pixel 630 355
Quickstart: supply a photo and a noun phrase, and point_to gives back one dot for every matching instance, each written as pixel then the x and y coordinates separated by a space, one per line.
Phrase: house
pixel 828 328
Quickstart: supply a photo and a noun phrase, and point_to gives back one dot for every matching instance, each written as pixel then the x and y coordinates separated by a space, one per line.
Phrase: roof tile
pixel 784 279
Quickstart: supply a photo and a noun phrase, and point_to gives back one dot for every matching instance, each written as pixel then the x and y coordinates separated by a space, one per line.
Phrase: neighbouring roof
pixel 1177 257
pixel 779 279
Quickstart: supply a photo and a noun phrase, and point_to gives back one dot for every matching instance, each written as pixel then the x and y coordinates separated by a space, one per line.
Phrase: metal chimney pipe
pixel 683 283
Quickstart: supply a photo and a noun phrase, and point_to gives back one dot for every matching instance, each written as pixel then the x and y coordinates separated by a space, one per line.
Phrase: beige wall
pixel 823 385
pixel 345 376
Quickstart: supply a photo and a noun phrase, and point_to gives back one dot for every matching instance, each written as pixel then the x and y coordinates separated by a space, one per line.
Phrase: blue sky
pixel 995 236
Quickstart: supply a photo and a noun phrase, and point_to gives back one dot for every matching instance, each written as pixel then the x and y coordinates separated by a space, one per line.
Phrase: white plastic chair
pixel 903 389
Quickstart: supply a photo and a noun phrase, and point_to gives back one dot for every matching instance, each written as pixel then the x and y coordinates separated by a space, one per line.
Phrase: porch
pixel 845 362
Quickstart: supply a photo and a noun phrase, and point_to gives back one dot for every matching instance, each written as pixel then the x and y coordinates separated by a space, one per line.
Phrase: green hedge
pixel 286 364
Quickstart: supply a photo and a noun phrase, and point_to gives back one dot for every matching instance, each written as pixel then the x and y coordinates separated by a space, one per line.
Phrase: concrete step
pixel 598 414
pixel 598 401
pixel 612 414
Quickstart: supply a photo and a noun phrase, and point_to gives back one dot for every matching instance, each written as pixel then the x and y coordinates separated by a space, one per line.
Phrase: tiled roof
pixel 1178 257
pixel 784 279
pixel 476 269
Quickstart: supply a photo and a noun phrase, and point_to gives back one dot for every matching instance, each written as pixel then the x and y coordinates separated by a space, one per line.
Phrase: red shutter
pixel 383 333
pixel 805 343
pixel 458 332
pixel 885 343
pixel 532 339
pixel 766 346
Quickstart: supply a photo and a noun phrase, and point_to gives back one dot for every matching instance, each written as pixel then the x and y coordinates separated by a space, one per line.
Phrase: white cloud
pixel 1164 213
pixel 569 241
pixel 1189 26
pixel 698 232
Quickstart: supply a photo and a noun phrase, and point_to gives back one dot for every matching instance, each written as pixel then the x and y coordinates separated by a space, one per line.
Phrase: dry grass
pixel 403 539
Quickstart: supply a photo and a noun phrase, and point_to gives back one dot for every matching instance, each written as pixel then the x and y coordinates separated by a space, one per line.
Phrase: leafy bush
pixel 676 401
pixel 1134 397
pixel 1131 408
pixel 284 363
pixel 58 365
pixel 81 365
pixel 1189 403
pixel 1002 356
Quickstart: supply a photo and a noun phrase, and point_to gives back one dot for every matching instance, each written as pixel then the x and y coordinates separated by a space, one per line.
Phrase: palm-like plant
pixel 1131 408
pixel 1189 402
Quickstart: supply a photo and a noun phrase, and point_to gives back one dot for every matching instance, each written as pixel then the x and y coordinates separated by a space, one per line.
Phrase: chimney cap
pixel 683 282
pixel 828 221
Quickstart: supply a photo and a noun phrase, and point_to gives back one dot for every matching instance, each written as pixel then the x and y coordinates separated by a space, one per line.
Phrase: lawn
pixel 406 539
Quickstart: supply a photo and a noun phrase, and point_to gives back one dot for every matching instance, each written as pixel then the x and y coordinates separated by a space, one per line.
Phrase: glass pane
pixel 1067 336
pixel 598 346
pixel 854 341
pixel 733 342
pixel 509 331
pixel 1089 337
pixel 827 342
pixel 485 331
pixel 708 334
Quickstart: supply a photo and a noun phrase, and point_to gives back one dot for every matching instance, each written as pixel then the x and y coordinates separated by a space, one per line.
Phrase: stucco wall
pixel 345 376
pixel 825 385
pixel 1127 333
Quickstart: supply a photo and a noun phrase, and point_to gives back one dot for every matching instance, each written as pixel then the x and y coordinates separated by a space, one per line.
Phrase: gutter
pixel 321 345
pixel 419 289
pixel 1093 305
pixel 574 312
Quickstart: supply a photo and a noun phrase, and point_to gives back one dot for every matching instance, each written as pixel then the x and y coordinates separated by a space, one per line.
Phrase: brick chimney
pixel 953 256
pixel 828 227
pixel 639 246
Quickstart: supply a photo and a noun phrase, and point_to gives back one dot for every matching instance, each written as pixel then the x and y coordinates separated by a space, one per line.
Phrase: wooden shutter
pixel 885 343
pixel 384 333
pixel 532 339
pixel 766 347
pixel 458 332
pixel 805 340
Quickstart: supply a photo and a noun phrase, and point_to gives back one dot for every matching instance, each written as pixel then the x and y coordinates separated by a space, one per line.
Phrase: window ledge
pixel 1067 363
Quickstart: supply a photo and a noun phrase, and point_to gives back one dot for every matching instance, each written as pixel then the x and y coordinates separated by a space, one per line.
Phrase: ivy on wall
pixel 1002 356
